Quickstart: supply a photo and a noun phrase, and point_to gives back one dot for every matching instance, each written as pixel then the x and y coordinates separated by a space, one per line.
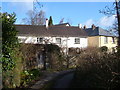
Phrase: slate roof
pixel 98 32
pixel 31 30
pixel 35 30
pixel 67 31
pixel 63 24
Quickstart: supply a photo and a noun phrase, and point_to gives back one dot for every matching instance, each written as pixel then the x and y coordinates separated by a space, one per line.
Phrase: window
pixel 77 40
pixel 113 40
pixel 105 40
pixel 58 40
pixel 39 40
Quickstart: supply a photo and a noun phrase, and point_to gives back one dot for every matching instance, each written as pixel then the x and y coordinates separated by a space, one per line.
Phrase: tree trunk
pixel 44 57
pixel 118 19
pixel 67 62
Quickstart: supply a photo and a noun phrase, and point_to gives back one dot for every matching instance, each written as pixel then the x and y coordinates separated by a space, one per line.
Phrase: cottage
pixel 98 37
pixel 65 36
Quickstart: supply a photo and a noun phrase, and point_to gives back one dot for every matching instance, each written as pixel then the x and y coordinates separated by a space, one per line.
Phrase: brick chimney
pixel 93 26
pixel 46 23
pixel 84 27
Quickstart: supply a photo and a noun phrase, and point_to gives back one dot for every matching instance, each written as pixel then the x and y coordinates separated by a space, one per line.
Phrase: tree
pixel 67 20
pixel 9 39
pixel 35 18
pixel 61 21
pixel 114 11
pixel 118 19
pixel 10 51
pixel 50 21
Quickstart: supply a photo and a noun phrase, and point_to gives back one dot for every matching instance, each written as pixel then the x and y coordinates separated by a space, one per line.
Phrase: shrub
pixel 29 52
pixel 28 75
pixel 11 57
pixel 98 70
pixel 55 58
pixel 104 49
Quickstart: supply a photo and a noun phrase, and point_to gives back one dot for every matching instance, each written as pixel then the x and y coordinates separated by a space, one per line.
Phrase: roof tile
pixel 35 30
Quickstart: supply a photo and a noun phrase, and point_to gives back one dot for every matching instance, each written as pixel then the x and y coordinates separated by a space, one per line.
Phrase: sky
pixel 75 12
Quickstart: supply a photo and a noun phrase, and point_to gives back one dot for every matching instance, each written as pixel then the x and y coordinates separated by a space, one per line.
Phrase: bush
pixel 11 73
pixel 28 75
pixel 55 58
pixel 104 49
pixel 98 70
pixel 29 52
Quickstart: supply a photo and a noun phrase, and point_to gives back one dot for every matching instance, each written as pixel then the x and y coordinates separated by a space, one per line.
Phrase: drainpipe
pixel 100 42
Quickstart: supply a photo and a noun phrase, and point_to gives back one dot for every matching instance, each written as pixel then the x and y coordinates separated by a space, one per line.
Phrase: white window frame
pixel 77 40
pixel 39 40
pixel 58 40
pixel 105 40
pixel 113 40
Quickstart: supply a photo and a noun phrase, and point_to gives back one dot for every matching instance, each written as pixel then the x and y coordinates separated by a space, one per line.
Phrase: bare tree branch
pixel 34 18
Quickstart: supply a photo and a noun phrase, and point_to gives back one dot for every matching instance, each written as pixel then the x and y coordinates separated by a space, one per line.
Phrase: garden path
pixel 65 81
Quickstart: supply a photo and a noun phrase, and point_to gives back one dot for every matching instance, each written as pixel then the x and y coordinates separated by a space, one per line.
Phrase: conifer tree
pixel 50 21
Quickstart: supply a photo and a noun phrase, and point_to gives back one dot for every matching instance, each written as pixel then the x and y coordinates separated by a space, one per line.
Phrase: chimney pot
pixel 80 25
pixel 46 23
pixel 84 27
pixel 93 26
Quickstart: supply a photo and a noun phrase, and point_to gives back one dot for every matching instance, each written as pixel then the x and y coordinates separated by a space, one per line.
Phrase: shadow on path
pixel 64 82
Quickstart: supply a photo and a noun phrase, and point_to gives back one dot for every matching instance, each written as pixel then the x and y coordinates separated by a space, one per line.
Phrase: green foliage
pixel 9 40
pixel 8 63
pixel 11 74
pixel 50 23
pixel 11 56
pixel 18 68
pixel 28 75
pixel 9 31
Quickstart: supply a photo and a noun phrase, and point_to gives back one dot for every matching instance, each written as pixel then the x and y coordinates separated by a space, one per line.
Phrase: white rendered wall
pixel 68 42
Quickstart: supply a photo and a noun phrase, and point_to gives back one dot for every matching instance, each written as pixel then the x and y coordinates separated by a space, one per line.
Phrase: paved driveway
pixel 64 81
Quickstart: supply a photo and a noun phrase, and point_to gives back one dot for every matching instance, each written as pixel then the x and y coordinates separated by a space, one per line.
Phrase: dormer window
pixel 67 25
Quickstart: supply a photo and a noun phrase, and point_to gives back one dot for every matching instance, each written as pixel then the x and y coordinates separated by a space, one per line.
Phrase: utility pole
pixel 118 19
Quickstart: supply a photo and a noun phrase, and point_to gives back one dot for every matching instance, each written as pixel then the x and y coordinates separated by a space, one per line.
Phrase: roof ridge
pixel 27 25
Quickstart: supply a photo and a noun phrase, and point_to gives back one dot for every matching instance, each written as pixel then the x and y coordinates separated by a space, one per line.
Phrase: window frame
pixel 105 40
pixel 77 41
pixel 39 39
pixel 113 40
pixel 58 40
